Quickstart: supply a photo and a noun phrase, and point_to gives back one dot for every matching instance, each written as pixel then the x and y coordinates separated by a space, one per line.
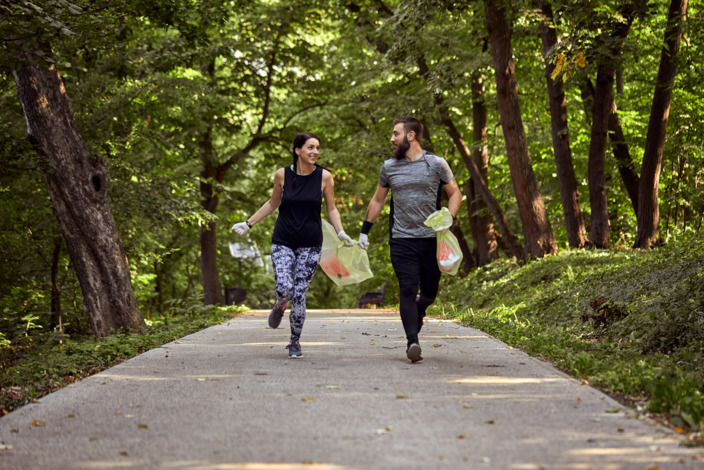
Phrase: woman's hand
pixel 344 238
pixel 241 228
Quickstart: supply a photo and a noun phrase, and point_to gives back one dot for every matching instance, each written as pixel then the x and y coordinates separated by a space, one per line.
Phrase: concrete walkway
pixel 228 398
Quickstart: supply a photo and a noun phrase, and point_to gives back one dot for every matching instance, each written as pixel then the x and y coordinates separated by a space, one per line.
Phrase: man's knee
pixel 425 301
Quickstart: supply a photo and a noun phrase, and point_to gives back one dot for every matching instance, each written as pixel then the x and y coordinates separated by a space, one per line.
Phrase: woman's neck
pixel 304 169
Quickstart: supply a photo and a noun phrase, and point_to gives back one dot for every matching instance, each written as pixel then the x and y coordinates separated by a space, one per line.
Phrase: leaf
pixel 38 423
pixel 401 397
pixel 613 410
pixel 462 436
pixel 142 426
pixel 75 9
pixel 307 399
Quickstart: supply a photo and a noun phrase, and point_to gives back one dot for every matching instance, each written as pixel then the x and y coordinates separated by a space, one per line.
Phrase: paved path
pixel 228 398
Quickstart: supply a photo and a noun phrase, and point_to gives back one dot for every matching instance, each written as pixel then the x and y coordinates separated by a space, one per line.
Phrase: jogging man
pixel 415 178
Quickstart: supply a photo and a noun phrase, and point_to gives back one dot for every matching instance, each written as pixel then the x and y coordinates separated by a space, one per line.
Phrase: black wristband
pixel 366 227
pixel 248 224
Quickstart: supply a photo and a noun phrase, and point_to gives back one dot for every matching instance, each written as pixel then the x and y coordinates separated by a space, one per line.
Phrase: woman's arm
pixel 274 201
pixel 329 194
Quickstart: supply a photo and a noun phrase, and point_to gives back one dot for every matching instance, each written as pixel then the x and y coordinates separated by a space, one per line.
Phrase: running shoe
pixel 294 350
pixel 276 314
pixel 413 352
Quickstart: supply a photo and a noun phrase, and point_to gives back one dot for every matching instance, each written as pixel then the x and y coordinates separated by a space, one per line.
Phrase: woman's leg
pixel 307 260
pixel 284 259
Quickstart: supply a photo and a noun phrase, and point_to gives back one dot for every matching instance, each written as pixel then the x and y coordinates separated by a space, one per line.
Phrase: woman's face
pixel 309 152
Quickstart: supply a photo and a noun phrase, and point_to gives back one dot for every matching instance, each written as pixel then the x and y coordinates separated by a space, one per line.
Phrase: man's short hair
pixel 410 124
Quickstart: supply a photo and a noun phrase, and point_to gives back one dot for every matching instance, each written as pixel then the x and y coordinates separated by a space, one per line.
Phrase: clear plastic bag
pixel 343 264
pixel 449 254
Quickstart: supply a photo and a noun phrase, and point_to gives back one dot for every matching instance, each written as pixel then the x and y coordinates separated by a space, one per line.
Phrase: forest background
pixel 134 134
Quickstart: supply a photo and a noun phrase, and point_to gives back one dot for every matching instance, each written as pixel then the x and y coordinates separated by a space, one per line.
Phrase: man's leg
pixel 429 279
pixel 405 260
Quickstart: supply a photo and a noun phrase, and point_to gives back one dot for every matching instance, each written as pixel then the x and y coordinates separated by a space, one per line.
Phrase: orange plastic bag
pixel 343 264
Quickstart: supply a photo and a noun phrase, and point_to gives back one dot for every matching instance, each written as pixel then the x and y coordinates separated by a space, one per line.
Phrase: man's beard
pixel 401 149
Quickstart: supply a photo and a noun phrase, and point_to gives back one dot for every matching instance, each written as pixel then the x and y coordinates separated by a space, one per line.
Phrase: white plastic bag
pixel 449 254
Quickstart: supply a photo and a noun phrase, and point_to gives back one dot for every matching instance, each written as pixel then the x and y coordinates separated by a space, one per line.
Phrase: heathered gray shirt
pixel 415 188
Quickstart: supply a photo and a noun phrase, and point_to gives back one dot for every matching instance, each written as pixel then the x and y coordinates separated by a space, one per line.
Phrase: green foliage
pixel 630 322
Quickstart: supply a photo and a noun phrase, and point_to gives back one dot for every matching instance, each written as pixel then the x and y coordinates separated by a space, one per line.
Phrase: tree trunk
pixel 626 167
pixel 603 96
pixel 77 182
pixel 55 319
pixel 538 236
pixel 212 288
pixel 481 184
pixel 648 207
pixel 624 161
pixel 483 233
pixel 574 223
pixel 596 173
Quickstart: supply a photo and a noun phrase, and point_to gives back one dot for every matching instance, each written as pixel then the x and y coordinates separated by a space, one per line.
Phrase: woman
pixel 298 234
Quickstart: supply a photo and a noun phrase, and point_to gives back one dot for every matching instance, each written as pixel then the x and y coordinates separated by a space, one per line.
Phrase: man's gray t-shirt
pixel 415 191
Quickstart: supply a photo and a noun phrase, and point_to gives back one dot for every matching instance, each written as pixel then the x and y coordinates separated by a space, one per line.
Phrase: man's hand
pixel 344 238
pixel 241 228
pixel 363 241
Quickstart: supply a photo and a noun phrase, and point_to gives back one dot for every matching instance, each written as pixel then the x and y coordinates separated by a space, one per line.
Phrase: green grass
pixel 629 322
pixel 47 362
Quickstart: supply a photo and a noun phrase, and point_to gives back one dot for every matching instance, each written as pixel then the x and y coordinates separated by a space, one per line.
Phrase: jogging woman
pixel 298 235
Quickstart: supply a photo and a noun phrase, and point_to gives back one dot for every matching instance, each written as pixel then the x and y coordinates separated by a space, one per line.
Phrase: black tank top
pixel 298 224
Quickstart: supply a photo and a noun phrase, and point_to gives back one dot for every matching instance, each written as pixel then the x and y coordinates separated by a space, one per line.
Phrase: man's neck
pixel 414 153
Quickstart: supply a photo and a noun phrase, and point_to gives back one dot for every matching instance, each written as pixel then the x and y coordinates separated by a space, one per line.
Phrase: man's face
pixel 400 141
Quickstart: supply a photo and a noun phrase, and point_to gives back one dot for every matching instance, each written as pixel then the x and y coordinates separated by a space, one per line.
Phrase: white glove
pixel 344 238
pixel 363 241
pixel 241 228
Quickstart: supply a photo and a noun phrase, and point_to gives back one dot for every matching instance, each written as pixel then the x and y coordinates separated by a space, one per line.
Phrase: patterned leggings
pixel 294 287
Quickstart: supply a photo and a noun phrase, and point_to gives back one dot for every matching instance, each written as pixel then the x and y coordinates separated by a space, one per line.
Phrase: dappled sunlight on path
pixel 229 398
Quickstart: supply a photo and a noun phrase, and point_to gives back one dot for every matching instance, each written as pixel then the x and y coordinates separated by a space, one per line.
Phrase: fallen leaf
pixel 621 430
pixel 307 399
pixel 200 379
pixel 5 447
pixel 93 439
pixel 678 429
pixel 437 345
pixel 261 373
pixel 332 387
pixel 613 410
pixel 652 467
pixel 401 397
pixel 584 382
pixel 142 426
pixel 38 423
pixel 490 421
pixel 462 436
pixel 124 453
pixel 72 415
pixel 468 407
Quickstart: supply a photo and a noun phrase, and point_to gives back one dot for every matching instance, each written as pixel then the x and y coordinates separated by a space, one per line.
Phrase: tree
pixel 539 239
pixel 77 182
pixel 576 234
pixel 648 204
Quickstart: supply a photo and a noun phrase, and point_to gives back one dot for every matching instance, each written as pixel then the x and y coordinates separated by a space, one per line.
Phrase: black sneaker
pixel 413 352
pixel 294 350
pixel 276 314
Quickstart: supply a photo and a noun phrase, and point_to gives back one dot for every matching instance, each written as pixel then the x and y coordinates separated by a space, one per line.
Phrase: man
pixel 416 178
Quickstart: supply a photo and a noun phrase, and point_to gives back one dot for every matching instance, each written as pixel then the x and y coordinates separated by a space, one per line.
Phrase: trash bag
pixel 449 254
pixel 343 264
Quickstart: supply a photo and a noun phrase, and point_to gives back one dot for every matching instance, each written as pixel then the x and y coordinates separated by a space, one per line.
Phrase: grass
pixel 44 363
pixel 631 323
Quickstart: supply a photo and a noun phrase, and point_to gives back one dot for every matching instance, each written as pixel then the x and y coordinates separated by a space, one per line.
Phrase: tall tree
pixel 574 223
pixel 603 97
pixel 537 232
pixel 648 205
pixel 77 182
pixel 483 232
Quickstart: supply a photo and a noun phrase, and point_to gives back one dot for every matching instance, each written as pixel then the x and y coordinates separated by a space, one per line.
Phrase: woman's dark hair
pixel 298 142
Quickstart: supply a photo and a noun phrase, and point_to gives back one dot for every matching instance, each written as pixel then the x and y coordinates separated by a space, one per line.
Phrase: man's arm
pixel 376 205
pixel 455 197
